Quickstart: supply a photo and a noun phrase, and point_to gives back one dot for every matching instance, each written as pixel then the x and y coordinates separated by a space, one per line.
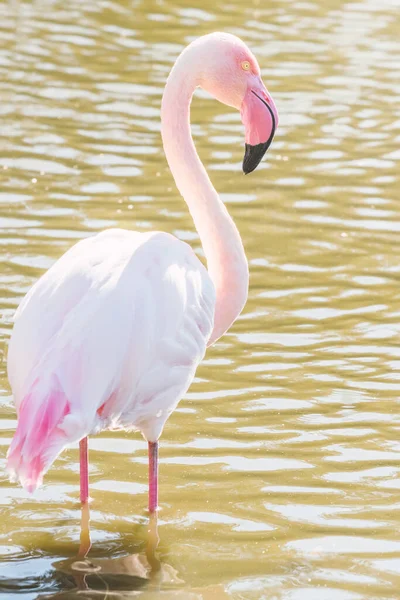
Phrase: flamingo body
pixel 110 336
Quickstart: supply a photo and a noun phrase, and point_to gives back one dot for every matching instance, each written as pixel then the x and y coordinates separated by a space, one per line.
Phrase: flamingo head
pixel 230 73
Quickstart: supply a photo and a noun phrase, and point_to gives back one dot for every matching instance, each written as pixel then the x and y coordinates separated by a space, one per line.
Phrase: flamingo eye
pixel 246 65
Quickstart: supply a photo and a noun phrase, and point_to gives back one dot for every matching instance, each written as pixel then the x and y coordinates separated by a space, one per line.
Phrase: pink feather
pixel 38 438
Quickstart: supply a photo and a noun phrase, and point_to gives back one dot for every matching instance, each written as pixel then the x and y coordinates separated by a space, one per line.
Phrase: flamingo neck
pixel 221 241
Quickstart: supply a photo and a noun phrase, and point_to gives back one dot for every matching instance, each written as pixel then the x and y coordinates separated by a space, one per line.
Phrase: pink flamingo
pixel 112 334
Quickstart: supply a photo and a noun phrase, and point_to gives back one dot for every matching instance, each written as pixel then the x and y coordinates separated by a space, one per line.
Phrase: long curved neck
pixel 222 245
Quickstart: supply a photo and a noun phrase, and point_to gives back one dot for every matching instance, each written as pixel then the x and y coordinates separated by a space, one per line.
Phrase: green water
pixel 280 470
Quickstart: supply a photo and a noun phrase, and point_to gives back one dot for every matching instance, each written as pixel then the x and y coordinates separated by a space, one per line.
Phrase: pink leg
pixel 153 476
pixel 84 469
pixel 84 481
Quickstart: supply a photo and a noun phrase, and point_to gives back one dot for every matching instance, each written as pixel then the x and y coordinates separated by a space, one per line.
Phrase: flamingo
pixel 111 335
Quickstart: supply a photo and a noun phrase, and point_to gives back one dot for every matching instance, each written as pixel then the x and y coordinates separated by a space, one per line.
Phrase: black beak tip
pixel 253 155
pixel 247 168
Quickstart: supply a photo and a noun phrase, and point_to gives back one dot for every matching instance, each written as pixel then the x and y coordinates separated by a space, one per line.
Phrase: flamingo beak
pixel 260 118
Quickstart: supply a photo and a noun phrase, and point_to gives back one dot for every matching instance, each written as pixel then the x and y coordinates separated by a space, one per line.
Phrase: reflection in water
pixel 125 576
pixel 122 575
pixel 280 470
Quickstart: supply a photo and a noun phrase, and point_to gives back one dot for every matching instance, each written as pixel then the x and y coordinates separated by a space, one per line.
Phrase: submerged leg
pixel 153 477
pixel 151 548
pixel 153 540
pixel 86 543
pixel 84 495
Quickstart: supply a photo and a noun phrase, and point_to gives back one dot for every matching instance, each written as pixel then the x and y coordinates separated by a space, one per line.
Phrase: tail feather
pixel 39 437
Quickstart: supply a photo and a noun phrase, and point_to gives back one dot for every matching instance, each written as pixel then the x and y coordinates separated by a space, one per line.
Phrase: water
pixel 280 471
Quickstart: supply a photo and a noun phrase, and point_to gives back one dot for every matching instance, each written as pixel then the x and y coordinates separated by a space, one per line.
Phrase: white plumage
pixel 119 324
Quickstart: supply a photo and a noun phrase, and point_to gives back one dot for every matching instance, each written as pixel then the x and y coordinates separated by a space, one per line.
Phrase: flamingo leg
pixel 153 476
pixel 84 470
pixel 84 495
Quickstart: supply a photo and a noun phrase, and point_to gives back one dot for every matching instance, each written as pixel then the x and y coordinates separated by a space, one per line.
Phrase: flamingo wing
pixel 110 336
